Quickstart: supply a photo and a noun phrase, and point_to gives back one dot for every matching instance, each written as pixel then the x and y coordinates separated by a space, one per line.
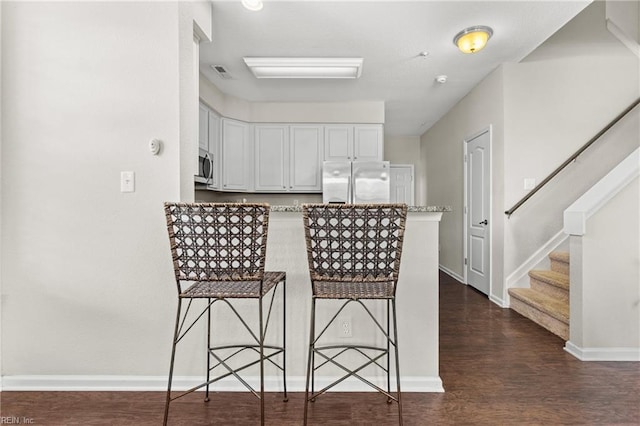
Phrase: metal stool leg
pixel 261 361
pixel 173 357
pixel 395 337
pixel 206 395
pixel 389 400
pixel 284 339
pixel 310 365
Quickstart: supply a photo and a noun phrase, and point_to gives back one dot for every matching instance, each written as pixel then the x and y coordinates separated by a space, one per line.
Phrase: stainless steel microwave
pixel 205 167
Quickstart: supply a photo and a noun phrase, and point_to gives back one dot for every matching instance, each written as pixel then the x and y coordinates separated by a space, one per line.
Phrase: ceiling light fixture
pixel 254 5
pixel 305 67
pixel 473 39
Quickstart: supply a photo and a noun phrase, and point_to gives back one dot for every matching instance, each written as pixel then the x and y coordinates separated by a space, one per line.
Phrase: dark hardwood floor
pixel 497 367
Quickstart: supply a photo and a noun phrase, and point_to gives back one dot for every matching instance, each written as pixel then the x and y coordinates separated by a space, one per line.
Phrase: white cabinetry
pixel 236 156
pixel 288 158
pixel 279 157
pixel 209 145
pixel 306 153
pixel 203 128
pixel 271 157
pixel 353 142
pixel 368 142
pixel 213 120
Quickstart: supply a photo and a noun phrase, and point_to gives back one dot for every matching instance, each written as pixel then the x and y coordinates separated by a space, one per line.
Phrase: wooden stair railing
pixel 571 159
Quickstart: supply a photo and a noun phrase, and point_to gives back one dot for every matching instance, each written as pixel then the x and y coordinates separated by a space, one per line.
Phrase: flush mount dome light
pixel 254 5
pixel 473 39
pixel 305 67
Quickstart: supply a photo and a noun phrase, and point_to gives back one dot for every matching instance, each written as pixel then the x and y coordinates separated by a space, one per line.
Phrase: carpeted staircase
pixel 547 301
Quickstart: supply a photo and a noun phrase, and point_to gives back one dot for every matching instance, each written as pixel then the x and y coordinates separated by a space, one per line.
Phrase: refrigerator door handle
pixel 350 190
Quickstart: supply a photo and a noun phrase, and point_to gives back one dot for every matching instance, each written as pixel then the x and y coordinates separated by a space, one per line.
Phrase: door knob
pixel 484 222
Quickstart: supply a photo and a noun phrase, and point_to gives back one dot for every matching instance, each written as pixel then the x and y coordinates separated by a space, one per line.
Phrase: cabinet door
pixel 271 157
pixel 214 149
pixel 368 143
pixel 306 158
pixel 203 128
pixel 338 142
pixel 236 156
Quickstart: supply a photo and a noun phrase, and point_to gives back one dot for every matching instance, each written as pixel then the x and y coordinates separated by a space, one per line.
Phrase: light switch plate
pixel 127 181
pixel 529 183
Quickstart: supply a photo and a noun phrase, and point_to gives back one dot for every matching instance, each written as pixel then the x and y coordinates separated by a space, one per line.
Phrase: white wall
pixel 321 112
pixel 1 138
pixel 87 285
pixel 225 105
pixel 606 275
pixel 442 150
pixel 625 15
pixel 555 101
pixel 290 112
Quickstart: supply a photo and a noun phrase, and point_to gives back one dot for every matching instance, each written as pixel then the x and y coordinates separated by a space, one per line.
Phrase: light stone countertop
pixel 411 209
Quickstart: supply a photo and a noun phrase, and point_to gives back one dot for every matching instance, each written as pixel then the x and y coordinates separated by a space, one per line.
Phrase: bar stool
pixel 354 253
pixel 218 253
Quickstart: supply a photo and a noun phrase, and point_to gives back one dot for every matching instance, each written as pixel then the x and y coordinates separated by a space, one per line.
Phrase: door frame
pixel 413 178
pixel 465 254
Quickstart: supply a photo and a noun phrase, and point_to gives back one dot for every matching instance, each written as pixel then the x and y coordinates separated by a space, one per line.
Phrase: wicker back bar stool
pixel 354 253
pixel 218 253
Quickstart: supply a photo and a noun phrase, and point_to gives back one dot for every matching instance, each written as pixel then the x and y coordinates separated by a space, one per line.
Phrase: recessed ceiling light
pixel 305 67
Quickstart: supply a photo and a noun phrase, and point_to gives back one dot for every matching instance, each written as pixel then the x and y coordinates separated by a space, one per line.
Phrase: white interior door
pixel 401 184
pixel 478 208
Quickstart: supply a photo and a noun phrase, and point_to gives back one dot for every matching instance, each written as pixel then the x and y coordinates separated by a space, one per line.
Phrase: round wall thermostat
pixel 154 146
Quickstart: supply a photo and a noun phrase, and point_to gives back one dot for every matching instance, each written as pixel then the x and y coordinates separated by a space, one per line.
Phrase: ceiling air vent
pixel 221 71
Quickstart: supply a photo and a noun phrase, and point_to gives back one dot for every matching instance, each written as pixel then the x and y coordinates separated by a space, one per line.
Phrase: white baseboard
pixel 603 354
pixel 451 273
pixel 498 301
pixel 159 383
pixel 519 278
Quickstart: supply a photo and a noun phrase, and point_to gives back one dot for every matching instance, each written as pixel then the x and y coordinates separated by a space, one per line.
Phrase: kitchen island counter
pixel 411 209
pixel 417 300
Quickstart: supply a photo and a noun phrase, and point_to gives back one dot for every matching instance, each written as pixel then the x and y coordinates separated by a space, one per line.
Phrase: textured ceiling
pixel 389 36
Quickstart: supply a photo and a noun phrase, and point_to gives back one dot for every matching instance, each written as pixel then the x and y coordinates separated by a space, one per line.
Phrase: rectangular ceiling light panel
pixel 305 67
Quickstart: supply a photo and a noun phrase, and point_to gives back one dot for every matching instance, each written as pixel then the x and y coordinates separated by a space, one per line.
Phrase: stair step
pixel 552 278
pixel 560 261
pixel 544 310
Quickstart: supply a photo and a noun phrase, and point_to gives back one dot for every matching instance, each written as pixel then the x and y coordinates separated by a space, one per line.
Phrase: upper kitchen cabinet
pixel 343 142
pixel 213 120
pixel 306 154
pixel 236 156
pixel 368 142
pixel 288 158
pixel 271 157
pixel 208 148
pixel 203 128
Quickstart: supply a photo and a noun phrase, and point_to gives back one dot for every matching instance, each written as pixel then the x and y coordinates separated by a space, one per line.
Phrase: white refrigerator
pixel 354 182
